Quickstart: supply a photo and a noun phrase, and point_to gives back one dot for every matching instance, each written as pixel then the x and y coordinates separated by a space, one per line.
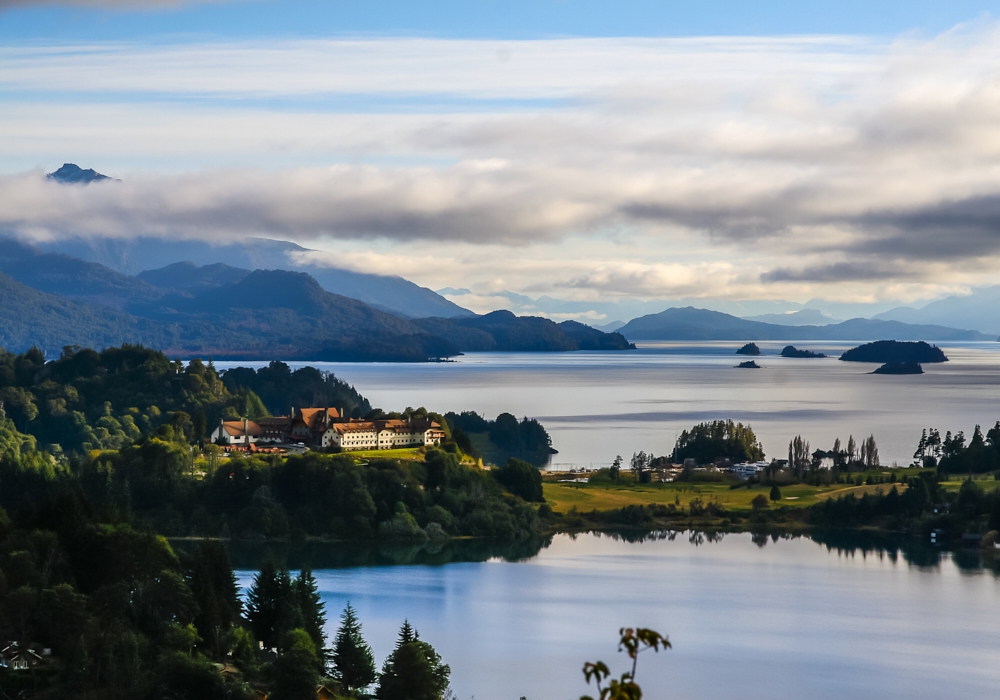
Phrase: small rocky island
pixel 792 351
pixel 749 364
pixel 900 368
pixel 749 349
pixel 895 352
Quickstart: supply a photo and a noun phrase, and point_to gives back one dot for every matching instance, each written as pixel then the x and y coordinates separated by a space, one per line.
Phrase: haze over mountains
pixel 52 300
pixel 700 324
pixel 978 311
pixel 805 317
pixel 254 299
pixel 132 256
pixel 136 255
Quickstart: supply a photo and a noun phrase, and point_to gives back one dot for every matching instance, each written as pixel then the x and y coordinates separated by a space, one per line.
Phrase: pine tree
pixel 211 579
pixel 353 662
pixel 413 671
pixel 289 613
pixel 271 609
pixel 775 493
pixel 311 608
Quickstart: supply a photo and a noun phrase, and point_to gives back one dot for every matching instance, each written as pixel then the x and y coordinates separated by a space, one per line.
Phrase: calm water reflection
pixel 596 405
pixel 750 616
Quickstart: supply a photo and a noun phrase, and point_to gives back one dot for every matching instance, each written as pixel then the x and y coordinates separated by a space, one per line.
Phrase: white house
pixel 236 432
pixel 383 434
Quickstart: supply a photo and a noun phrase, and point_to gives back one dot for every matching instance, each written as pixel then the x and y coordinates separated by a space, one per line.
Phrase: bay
pixel 749 616
pixel 596 405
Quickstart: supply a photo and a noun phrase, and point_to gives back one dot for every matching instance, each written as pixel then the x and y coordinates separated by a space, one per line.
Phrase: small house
pixel 21 658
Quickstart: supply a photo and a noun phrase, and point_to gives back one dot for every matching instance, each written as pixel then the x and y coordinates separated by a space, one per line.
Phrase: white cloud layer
pixel 639 167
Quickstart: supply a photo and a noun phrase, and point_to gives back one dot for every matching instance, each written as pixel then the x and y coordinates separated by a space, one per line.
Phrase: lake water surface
pixel 599 404
pixel 749 618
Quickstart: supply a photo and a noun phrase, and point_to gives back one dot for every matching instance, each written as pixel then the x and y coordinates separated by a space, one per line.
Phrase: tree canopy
pixel 706 442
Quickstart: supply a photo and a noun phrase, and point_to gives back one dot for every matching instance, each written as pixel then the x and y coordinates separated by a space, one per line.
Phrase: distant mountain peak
pixel 73 174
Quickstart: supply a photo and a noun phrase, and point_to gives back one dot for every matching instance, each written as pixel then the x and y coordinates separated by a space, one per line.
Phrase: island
pixel 900 368
pixel 792 351
pixel 749 349
pixel 894 351
pixel 749 364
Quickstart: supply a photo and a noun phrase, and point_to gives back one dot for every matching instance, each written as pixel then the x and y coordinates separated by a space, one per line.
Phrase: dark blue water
pixel 789 620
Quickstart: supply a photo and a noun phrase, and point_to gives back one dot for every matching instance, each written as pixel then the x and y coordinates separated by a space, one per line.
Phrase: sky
pixel 592 151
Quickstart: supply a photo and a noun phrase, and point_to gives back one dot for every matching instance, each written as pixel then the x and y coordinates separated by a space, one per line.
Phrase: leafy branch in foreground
pixel 633 641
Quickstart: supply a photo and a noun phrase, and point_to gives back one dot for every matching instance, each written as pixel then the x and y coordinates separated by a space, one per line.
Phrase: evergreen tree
pixel 353 662
pixel 295 676
pixel 289 612
pixel 311 611
pixel 413 671
pixel 266 604
pixel 211 579
pixel 775 493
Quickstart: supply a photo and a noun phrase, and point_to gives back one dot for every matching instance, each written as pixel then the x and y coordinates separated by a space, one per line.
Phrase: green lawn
pixel 562 496
pixel 409 454
pixel 413 454
pixel 986 483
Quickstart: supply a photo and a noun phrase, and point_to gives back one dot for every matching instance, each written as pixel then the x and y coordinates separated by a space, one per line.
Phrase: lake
pixel 749 617
pixel 596 405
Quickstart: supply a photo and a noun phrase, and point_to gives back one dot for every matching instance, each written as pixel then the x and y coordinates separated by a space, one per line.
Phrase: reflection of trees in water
pixel 865 543
pixel 635 536
pixel 340 555
pixel 913 552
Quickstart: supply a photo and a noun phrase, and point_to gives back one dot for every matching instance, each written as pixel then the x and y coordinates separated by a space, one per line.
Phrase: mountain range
pixel 254 299
pixel 138 255
pixel 805 317
pixel 980 310
pixel 52 300
pixel 689 323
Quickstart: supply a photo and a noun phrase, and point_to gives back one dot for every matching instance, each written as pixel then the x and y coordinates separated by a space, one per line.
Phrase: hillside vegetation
pixel 53 300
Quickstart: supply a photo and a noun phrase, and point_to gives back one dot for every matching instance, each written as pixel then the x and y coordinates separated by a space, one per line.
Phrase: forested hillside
pixel 227 313
pixel 503 331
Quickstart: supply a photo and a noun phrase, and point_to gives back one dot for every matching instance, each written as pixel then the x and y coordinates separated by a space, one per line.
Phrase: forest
pixel 125 431
pixel 103 456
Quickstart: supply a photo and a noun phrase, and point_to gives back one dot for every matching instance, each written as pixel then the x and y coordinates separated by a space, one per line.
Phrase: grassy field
pixel 413 454
pixel 562 496
pixel 986 483
pixel 409 454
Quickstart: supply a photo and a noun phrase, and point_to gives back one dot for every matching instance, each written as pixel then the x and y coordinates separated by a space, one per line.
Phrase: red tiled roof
pixel 235 428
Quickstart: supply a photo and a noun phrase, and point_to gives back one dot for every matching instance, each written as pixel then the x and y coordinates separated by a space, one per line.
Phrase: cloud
pixel 837 272
pixel 464 202
pixel 615 167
